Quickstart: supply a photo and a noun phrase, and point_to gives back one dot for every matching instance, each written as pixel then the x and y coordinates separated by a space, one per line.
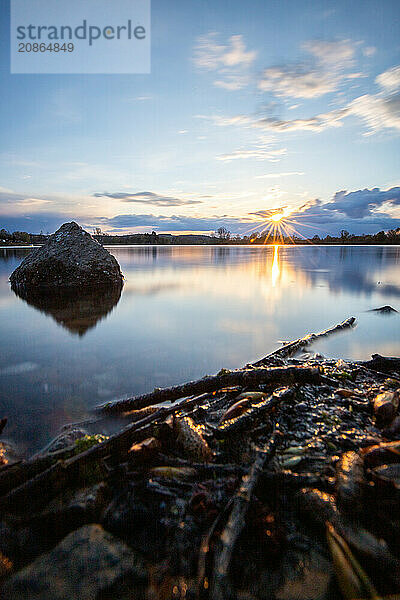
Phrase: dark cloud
pixel 316 217
pixel 34 223
pixel 362 203
pixel 173 222
pixel 146 198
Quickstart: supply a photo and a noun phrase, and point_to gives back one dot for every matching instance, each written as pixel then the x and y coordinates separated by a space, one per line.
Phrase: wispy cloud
pixel 390 79
pixel 270 154
pixel 231 61
pixel 146 198
pixel 379 112
pixel 279 175
pixel 317 76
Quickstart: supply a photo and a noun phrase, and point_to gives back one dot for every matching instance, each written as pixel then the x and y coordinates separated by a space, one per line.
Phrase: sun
pixel 276 217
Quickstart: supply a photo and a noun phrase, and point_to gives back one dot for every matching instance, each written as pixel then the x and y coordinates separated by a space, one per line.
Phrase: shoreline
pixel 283 440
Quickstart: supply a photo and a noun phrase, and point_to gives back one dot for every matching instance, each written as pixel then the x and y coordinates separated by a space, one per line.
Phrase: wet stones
pixel 88 564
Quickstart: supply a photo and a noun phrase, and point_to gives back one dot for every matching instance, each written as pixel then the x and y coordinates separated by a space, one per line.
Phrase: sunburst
pixel 281 224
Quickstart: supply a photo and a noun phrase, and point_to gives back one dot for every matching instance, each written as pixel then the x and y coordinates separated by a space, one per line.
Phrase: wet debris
pixel 266 482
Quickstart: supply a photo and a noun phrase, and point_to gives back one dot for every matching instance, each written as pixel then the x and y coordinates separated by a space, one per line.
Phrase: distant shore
pixel 392 237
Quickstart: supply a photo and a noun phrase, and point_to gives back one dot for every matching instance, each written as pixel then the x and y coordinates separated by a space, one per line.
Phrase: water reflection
pixel 275 270
pixel 185 311
pixel 77 312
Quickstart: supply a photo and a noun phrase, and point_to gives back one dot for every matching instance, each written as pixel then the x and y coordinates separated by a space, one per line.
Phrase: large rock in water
pixel 71 260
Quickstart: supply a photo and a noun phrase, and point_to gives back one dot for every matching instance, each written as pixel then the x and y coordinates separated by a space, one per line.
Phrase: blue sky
pixel 250 109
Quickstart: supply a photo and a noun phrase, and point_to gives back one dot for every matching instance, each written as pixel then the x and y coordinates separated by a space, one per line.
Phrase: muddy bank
pixel 278 480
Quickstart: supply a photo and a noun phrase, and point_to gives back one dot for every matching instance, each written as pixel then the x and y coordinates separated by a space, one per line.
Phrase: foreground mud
pixel 283 485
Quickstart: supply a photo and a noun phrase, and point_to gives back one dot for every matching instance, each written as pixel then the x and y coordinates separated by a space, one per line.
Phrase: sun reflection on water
pixel 275 271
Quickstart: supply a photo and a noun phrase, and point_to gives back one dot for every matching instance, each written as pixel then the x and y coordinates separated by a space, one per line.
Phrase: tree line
pixel 220 236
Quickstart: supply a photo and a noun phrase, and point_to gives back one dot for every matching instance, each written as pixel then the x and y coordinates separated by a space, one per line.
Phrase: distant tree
pixel 344 235
pixel 316 239
pixel 97 231
pixel 392 236
pixel 21 236
pixel 380 237
pixel 223 233
pixel 254 236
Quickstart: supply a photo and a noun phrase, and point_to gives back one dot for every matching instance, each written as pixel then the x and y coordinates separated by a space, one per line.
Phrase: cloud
pixel 315 217
pixel 146 198
pixel 377 112
pixel 278 175
pixel 172 223
pixel 336 54
pixel 362 203
pixel 8 198
pixel 296 82
pixel 319 122
pixel 360 211
pixel 34 222
pixel 390 79
pixel 319 75
pixel 272 155
pixel 369 51
pixel 230 61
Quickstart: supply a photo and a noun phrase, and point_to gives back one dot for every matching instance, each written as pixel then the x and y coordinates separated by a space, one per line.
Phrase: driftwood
pixel 386 364
pixel 220 588
pixel 43 477
pixel 14 475
pixel 243 378
pixel 291 348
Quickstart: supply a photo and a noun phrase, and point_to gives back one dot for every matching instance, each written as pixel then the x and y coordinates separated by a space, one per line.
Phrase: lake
pixel 185 311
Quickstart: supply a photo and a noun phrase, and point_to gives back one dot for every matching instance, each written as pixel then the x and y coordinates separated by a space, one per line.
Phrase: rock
pixel 393 430
pixel 384 310
pixel 67 512
pixel 311 584
pixel 385 406
pixel 89 564
pixel 70 260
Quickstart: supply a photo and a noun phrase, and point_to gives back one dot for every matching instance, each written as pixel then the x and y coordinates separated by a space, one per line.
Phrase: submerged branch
pixel 292 347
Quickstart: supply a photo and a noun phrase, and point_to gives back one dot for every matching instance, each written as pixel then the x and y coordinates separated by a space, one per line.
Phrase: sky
pixel 250 109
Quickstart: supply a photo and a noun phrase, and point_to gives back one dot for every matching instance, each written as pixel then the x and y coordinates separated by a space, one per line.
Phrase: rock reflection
pixel 76 311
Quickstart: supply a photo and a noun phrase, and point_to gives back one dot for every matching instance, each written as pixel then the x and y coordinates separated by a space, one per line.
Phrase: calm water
pixel 185 311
